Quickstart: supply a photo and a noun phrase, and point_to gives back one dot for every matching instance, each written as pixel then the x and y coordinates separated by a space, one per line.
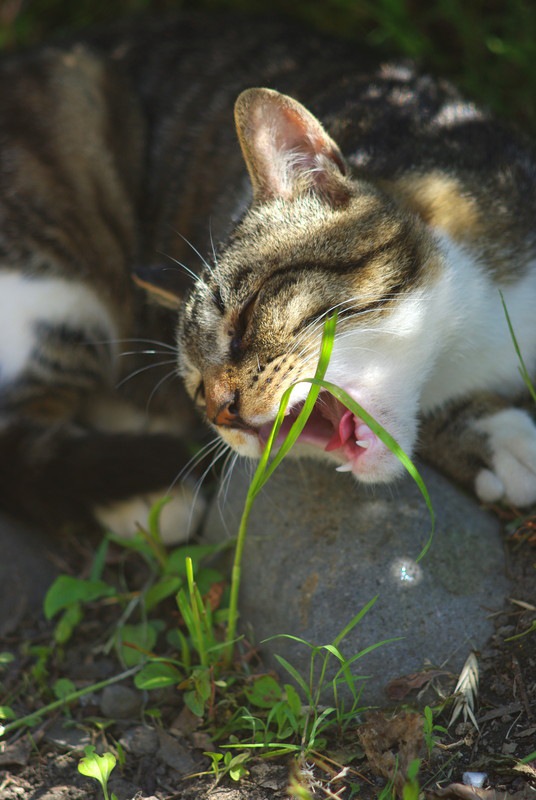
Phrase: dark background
pixel 488 47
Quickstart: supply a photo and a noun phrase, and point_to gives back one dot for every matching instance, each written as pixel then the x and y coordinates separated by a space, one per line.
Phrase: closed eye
pixel 242 324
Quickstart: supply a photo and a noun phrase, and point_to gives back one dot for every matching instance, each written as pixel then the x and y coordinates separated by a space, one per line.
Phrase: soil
pixel 162 744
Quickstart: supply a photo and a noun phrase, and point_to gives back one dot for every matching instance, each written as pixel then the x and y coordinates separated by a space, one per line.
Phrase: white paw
pixel 512 477
pixel 178 520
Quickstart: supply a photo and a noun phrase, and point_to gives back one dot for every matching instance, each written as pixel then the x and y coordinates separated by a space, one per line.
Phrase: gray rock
pixel 120 702
pixel 64 734
pixel 320 547
pixel 26 572
pixel 175 754
pixel 140 741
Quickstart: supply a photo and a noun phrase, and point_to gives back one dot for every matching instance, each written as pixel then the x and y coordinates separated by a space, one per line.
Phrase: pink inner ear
pixel 296 136
pixel 284 146
pixel 289 153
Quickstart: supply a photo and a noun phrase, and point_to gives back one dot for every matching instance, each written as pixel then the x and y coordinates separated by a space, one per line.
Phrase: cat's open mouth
pixel 331 427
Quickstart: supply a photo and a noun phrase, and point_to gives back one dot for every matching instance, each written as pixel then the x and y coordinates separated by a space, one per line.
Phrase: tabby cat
pixel 391 200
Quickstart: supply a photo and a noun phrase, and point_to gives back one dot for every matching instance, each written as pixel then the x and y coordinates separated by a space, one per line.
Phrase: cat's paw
pixel 179 517
pixel 511 436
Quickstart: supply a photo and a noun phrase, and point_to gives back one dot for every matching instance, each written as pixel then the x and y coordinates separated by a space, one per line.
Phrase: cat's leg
pixel 57 357
pixel 486 444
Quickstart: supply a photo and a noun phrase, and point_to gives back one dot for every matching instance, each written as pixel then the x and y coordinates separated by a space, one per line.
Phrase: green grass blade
pixel 264 471
pixel 289 636
pixel 369 649
pixel 388 441
pixel 354 621
pixel 326 348
pixel 522 367
pixel 293 672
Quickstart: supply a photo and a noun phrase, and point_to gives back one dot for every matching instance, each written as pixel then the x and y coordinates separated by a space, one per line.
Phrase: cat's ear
pixel 286 149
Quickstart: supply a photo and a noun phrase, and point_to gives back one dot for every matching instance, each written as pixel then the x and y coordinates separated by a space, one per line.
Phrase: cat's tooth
pixel 364 443
pixel 344 467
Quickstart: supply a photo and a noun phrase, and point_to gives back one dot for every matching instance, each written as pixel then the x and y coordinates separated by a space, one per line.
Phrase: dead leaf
pixel 399 688
pixel 526 769
pixel 215 594
pixel 391 744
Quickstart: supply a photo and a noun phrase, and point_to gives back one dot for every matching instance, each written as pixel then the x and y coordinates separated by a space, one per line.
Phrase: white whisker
pixel 156 342
pixel 143 353
pixel 172 374
pixel 227 471
pixel 144 369
pixel 211 466
pixel 196 459
pixel 196 278
pixel 212 243
pixel 196 251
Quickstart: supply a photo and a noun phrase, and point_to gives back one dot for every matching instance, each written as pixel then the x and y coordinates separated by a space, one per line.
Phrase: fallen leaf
pixel 399 688
pixel 391 744
pixel 526 769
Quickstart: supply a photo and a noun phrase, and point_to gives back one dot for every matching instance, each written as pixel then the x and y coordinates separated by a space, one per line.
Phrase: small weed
pixel 99 768
pixel 411 789
pixel 429 729
pixel 222 764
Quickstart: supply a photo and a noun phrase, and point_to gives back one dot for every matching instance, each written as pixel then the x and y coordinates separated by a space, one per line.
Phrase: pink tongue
pixel 346 431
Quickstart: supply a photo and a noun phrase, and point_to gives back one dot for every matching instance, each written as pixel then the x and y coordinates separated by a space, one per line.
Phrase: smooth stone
pixel 175 754
pixel 26 571
pixel 140 741
pixel 64 734
pixel 320 546
pixel 120 702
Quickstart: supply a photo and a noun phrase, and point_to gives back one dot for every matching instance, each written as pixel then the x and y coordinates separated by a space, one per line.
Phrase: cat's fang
pixel 348 467
pixel 364 443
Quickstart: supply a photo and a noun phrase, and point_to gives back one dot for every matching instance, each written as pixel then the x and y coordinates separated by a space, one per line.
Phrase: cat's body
pixel 111 152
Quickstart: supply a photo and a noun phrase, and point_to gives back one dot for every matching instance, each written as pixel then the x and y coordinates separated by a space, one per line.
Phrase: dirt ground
pixel 162 743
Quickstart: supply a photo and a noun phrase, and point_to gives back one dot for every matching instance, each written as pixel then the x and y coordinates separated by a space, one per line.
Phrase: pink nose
pixel 227 415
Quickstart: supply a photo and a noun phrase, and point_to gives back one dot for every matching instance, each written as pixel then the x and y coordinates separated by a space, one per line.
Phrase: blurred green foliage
pixel 488 47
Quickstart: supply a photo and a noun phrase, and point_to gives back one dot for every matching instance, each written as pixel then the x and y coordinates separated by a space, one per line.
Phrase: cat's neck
pixel 475 347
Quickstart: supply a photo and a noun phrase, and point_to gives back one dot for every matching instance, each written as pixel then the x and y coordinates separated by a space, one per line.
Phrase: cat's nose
pixel 223 408
pixel 228 413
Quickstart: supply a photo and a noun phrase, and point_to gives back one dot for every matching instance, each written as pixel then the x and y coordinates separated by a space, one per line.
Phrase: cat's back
pixel 413 134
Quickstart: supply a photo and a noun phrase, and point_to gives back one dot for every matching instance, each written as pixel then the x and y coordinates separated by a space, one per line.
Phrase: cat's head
pixel 315 240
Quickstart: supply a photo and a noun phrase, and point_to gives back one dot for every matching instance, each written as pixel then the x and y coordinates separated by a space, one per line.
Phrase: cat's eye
pixel 247 312
pixel 243 321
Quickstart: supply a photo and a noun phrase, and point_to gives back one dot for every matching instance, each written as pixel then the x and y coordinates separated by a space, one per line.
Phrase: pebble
pixel 140 741
pixel 120 702
pixel 175 754
pixel 64 734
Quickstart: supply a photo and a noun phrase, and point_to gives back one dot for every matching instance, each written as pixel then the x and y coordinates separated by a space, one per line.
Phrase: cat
pixel 373 191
